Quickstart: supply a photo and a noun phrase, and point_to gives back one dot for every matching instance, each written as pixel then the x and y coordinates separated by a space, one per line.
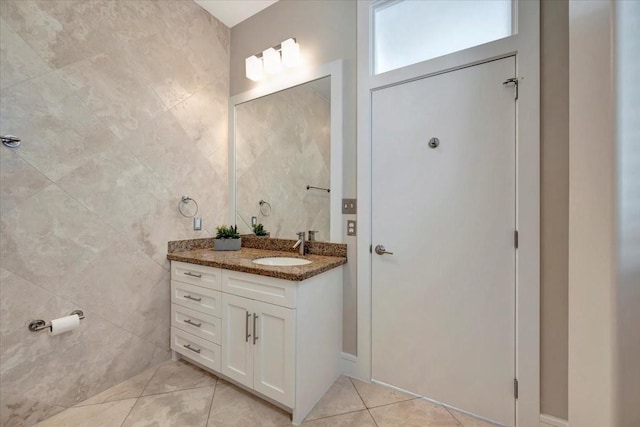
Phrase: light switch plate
pixel 349 206
pixel 197 223
pixel 351 227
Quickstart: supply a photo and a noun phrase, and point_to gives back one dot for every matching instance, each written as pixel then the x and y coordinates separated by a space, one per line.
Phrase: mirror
pixel 285 152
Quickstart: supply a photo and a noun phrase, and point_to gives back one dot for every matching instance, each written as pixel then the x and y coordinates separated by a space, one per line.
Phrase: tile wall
pixel 122 109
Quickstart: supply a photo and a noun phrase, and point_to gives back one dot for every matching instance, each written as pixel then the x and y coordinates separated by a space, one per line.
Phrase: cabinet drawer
pixel 195 274
pixel 261 288
pixel 199 324
pixel 195 297
pixel 193 347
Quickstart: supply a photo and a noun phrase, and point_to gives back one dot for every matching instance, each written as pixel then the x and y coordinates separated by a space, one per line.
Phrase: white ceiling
pixel 232 12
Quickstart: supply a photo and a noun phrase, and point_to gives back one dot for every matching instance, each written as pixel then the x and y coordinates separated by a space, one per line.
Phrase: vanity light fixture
pixel 290 53
pixel 253 66
pixel 271 60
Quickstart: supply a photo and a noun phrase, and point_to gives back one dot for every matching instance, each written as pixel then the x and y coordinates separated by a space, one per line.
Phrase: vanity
pixel 275 331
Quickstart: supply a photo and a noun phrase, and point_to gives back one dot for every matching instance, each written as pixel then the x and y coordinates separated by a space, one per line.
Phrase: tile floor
pixel 177 394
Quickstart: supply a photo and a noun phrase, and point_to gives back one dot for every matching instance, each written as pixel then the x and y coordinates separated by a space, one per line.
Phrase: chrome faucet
pixel 300 243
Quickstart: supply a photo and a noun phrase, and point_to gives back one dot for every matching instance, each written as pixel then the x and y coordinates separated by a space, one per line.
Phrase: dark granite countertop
pixel 198 251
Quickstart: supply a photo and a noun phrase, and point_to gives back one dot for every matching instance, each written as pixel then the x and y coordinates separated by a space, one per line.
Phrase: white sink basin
pixel 281 261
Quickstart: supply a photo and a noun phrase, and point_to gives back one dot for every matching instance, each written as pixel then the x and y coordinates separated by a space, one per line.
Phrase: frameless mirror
pixel 284 152
pixel 283 160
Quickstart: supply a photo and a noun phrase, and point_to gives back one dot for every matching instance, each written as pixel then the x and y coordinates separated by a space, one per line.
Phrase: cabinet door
pixel 273 354
pixel 237 342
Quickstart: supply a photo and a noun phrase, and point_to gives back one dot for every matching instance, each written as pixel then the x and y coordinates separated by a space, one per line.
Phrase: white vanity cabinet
pixel 196 303
pixel 259 347
pixel 280 339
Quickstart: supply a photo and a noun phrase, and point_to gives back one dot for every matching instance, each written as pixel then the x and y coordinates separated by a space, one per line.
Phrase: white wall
pixel 628 214
pixel 604 234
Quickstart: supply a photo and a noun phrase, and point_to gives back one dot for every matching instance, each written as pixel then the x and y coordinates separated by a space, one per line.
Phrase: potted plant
pixel 227 239
pixel 259 231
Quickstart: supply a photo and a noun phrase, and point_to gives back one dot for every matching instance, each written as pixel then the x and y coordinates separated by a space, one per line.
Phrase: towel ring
pixel 185 200
pixel 265 206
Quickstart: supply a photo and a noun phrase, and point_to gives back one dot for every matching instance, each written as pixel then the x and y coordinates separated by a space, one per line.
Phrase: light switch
pixel 197 223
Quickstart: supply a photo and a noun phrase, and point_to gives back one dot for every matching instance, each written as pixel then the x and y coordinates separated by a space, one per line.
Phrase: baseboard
pixel 349 365
pixel 549 421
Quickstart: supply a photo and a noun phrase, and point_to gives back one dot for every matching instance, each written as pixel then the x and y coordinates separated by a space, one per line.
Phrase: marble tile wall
pixel 291 129
pixel 122 108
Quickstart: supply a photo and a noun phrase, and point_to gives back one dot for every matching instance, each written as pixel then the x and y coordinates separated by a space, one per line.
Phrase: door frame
pixel 525 45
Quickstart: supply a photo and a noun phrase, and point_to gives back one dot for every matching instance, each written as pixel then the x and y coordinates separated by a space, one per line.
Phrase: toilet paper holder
pixel 38 325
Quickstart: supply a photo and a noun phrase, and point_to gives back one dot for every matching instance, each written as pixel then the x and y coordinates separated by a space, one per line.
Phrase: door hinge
pixel 515 239
pixel 515 388
pixel 513 81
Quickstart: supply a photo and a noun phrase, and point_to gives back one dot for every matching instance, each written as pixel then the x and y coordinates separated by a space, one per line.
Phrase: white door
pixel 237 339
pixel 273 353
pixel 443 304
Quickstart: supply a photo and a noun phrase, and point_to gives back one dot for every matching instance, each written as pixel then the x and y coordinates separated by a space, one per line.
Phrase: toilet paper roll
pixel 64 324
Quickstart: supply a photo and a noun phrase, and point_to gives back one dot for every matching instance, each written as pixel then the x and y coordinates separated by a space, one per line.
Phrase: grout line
pixel 160 394
pixel 386 404
pixel 138 398
pixel 395 403
pixel 121 398
pixel 28 79
pixel 130 411
pixel 49 66
pixel 372 417
pixel 176 391
pixel 44 187
pixel 453 415
pixel 358 393
pixel 336 415
pixel 150 378
pixel 215 387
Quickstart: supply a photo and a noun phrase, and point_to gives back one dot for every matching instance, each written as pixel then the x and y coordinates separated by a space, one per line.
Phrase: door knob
pixel 381 251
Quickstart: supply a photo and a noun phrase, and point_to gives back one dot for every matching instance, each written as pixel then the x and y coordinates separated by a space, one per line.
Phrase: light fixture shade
pixel 290 53
pixel 253 68
pixel 272 63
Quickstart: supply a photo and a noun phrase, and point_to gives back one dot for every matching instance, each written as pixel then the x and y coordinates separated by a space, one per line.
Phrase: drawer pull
pixel 193 298
pixel 188 347
pixel 255 331
pixel 191 322
pixel 188 273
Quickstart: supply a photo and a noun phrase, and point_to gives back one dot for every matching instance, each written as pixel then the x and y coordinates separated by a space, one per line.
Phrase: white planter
pixel 227 244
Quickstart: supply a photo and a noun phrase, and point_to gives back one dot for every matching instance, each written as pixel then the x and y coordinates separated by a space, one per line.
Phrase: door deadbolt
pixel 434 142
